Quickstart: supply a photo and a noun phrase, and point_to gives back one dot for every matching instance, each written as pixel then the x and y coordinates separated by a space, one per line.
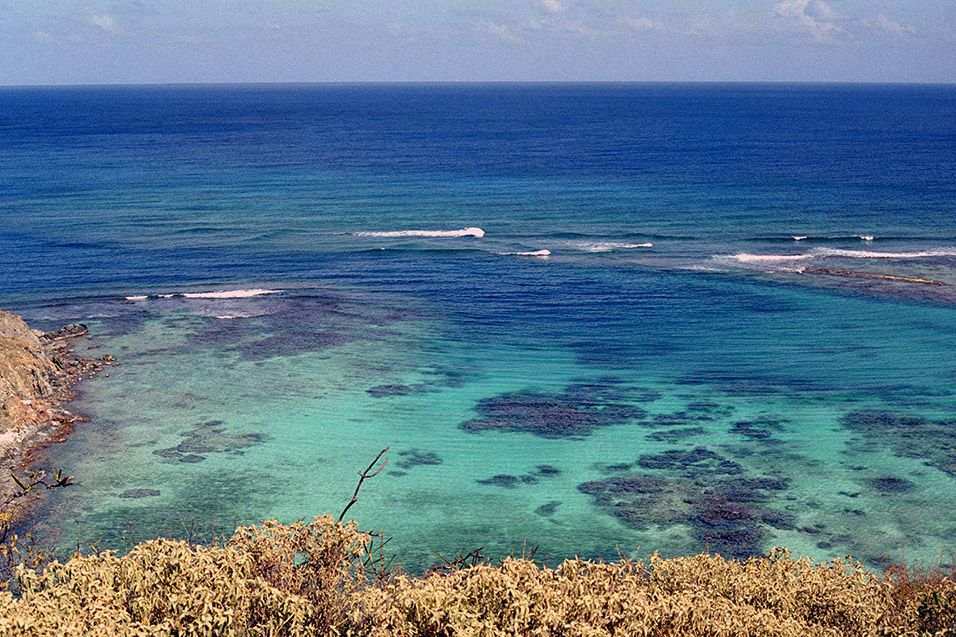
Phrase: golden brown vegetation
pixel 318 578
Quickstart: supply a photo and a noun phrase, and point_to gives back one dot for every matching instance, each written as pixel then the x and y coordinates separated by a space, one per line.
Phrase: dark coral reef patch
pixel 509 481
pixel 505 480
pixel 415 457
pixel 395 389
pixel 209 437
pixel 907 436
pixel 725 510
pixel 759 430
pixel 575 412
pixel 139 493
pixel 677 434
pixel 699 461
pixel 890 485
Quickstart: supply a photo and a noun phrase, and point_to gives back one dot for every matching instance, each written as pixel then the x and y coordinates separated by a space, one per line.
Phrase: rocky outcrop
pixel 37 372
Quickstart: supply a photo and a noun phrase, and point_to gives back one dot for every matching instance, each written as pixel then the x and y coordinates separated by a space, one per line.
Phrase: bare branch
pixel 362 476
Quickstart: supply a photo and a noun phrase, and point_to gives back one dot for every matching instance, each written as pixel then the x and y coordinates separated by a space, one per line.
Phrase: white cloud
pixel 823 11
pixel 42 37
pixel 727 24
pixel 815 16
pixel 500 31
pixel 107 23
pixel 550 6
pixel 643 24
pixel 893 28
pixel 583 30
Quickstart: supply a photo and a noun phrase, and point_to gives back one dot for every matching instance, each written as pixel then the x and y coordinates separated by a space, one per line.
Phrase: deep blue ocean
pixel 593 319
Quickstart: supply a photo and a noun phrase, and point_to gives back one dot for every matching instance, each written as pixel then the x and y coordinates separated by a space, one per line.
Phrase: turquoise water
pixel 596 320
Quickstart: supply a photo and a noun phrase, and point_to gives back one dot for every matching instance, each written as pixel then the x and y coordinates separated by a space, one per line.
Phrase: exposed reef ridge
pixel 37 373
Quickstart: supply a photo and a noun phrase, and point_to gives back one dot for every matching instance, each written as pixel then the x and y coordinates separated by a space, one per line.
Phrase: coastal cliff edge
pixel 37 373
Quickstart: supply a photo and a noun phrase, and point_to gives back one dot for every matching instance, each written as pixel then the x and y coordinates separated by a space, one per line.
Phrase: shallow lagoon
pixel 769 427
pixel 674 331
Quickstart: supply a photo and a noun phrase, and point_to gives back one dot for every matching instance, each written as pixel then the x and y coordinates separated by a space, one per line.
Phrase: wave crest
pixel 745 257
pixel 610 246
pixel 869 254
pixel 544 254
pixel 229 294
pixel 823 253
pixel 464 232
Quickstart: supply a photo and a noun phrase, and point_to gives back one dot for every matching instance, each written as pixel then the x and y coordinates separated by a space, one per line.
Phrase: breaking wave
pixel 866 238
pixel 823 253
pixel 534 253
pixel 229 294
pixel 869 254
pixel 765 258
pixel 464 232
pixel 611 246
pixel 220 294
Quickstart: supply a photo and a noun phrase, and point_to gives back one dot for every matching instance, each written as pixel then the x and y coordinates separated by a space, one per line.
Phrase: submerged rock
pixel 548 509
pixel 415 457
pixel 676 435
pixel 73 330
pixel 206 438
pixel 889 485
pixel 385 391
pixel 510 482
pixel 505 480
pixel 139 493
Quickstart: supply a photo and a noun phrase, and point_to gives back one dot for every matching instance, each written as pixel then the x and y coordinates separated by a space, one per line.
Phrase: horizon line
pixel 485 83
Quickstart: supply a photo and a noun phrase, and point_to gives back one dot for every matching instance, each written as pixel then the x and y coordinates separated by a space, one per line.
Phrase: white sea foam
pixel 141 297
pixel 799 237
pixel 744 257
pixel 610 246
pixel 823 253
pixel 867 237
pixel 166 296
pixel 229 294
pixel 544 254
pixel 464 232
pixel 869 254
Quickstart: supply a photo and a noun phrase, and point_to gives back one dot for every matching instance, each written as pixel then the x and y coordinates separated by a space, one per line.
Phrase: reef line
pixel 888 277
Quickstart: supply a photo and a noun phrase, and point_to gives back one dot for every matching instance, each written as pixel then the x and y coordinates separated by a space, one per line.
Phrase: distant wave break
pixel 532 253
pixel 613 245
pixel 229 294
pixel 464 232
pixel 745 257
pixel 222 294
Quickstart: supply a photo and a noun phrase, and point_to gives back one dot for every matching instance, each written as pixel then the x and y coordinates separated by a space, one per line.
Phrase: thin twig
pixel 362 476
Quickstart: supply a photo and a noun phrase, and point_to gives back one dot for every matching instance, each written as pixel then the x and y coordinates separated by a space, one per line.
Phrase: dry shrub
pixel 701 595
pixel 924 599
pixel 309 579
pixel 270 580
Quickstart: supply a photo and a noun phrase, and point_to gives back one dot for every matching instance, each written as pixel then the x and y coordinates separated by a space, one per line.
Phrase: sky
pixel 44 42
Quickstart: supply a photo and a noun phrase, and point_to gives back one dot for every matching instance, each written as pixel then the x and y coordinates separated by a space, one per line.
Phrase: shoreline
pixel 38 373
